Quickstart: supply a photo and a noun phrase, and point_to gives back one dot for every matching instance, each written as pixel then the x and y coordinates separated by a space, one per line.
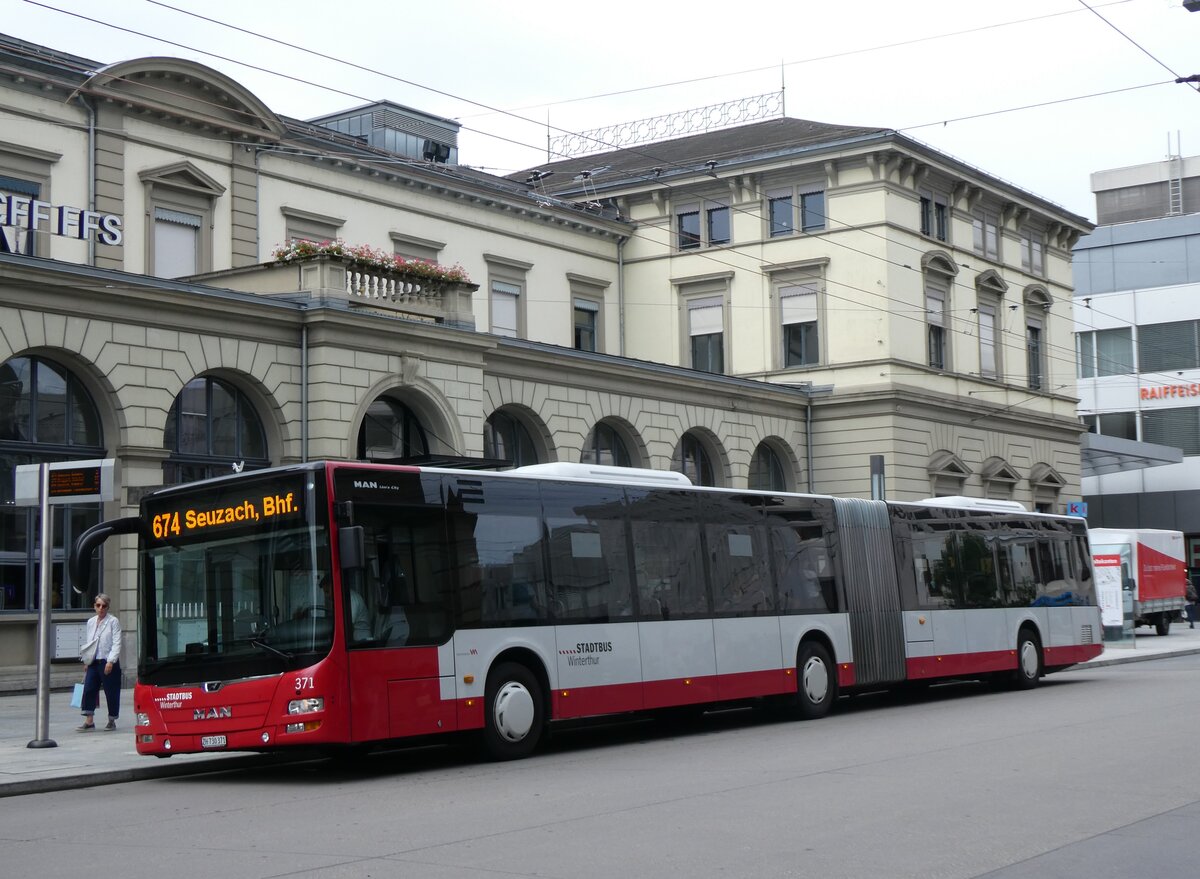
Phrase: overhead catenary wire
pixel 855 303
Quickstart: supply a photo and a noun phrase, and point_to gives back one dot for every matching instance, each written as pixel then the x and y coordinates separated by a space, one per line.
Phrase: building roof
pixel 756 141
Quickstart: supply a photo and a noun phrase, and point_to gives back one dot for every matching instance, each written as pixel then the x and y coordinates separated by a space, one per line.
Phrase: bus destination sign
pixel 200 516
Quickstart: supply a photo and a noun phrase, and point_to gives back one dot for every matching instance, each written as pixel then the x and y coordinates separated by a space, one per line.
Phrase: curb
pixel 155 769
pixel 1134 657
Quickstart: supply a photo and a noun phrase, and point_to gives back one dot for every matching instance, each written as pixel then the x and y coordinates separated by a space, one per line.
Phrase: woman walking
pixel 102 656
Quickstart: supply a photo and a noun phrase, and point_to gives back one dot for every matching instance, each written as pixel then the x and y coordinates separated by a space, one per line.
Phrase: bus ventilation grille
pixel 1086 636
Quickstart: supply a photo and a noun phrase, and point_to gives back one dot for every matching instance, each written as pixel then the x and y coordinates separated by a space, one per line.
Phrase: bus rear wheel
pixel 816 681
pixel 1029 661
pixel 514 714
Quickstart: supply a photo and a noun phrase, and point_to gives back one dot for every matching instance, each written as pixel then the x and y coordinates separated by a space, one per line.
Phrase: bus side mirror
pixel 352 548
pixel 79 564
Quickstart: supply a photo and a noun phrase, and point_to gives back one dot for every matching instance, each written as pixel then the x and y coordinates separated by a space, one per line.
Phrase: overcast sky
pixel 925 67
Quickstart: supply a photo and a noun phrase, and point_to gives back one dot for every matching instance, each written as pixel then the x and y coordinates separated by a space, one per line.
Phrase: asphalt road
pixel 1093 774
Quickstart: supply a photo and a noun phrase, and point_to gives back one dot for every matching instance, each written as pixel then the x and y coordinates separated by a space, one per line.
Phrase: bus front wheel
pixel 515 713
pixel 816 681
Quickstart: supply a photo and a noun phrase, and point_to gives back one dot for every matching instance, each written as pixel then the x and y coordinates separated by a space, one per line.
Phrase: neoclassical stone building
pixel 785 302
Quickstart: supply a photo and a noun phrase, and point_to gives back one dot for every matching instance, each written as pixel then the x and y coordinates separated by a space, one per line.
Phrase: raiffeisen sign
pixel 20 213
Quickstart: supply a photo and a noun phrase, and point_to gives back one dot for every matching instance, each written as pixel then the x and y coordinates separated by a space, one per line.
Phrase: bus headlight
pixel 141 719
pixel 306 706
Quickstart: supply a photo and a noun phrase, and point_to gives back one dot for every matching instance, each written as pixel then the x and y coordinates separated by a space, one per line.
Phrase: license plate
pixel 212 742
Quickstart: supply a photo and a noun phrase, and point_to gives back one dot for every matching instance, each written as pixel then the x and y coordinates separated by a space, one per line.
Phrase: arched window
pixel 506 439
pixel 45 416
pixel 211 427
pixel 391 431
pixel 605 446
pixel 693 461
pixel 766 470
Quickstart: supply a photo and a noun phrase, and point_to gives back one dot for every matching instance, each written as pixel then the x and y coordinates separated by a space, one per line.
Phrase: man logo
pixel 212 713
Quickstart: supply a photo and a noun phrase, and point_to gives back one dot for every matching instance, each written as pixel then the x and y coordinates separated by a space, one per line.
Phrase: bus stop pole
pixel 42 735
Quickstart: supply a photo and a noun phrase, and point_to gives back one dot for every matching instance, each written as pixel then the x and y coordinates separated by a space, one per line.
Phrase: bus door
pixel 675 632
pixel 401 657
pixel 872 592
pixel 745 599
pixel 591 600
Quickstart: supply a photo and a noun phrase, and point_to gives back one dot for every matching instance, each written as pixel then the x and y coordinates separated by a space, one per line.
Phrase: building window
pixel 24 176
pixel 692 459
pixel 1035 352
pixel 989 354
pixel 410 247
pixel 1119 424
pixel 176 243
pixel 812 210
pixel 605 446
pixel 798 310
pixel 703 224
pixel 180 202
pixel 212 429
pixel 766 470
pixel 706 333
pixel 784 203
pixel 1033 253
pixel 15 236
pixel 391 431
pixel 45 416
pixel 718 224
pixel 1169 347
pixel 505 438
pixel 306 226
pixel 506 299
pixel 1173 427
pixel 779 211
pixel 947 474
pixel 586 312
pixel 1107 352
pixel 934 214
pixel 935 326
pixel 687 220
pixel 986 235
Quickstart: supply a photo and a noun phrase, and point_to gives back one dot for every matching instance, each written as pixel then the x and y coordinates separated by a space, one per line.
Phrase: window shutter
pixel 798 303
pixel 705 316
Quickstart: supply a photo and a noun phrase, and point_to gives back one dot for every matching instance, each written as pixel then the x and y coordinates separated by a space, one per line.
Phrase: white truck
pixel 1152 568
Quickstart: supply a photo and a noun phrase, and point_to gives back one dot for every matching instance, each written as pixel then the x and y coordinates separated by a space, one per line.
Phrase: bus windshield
pixel 231 579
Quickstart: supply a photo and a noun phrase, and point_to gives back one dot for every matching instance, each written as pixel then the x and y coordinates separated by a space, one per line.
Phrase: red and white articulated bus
pixel 502 602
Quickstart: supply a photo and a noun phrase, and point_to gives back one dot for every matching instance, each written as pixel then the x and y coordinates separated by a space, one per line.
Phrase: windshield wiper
pixel 264 646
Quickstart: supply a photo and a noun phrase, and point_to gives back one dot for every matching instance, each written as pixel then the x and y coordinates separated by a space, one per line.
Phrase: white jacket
pixel 109 646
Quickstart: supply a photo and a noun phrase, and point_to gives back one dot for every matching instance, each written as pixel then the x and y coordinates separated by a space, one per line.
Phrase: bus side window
pixel 589 577
pixel 668 563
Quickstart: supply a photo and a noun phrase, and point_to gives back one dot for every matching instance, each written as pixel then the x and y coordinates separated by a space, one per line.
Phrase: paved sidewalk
pixel 95 758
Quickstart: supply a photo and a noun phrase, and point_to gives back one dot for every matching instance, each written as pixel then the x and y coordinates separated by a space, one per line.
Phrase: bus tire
pixel 816 681
pixel 1163 624
pixel 1029 660
pixel 514 716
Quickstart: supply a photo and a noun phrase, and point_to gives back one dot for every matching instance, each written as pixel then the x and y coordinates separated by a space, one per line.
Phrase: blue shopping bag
pixel 77 696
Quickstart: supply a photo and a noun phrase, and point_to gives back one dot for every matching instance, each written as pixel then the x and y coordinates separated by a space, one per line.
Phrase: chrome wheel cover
pixel 814 679
pixel 1029 659
pixel 513 711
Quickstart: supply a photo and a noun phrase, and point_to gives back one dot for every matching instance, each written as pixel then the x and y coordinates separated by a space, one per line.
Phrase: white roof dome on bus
pixel 975 503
